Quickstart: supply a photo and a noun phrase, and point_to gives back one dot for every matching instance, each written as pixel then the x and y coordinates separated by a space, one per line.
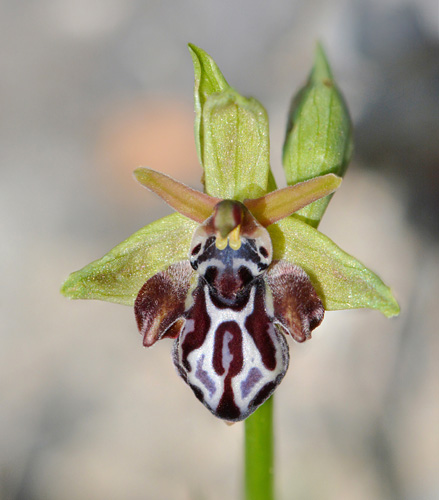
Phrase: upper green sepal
pixel 208 80
pixel 231 133
pixel 120 274
pixel 319 134
pixel 341 281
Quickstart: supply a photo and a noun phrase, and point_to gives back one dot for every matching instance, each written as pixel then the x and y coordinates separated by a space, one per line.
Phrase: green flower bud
pixel 319 134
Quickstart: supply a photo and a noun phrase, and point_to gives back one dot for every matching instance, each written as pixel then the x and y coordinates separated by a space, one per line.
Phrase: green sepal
pixel 231 133
pixel 120 274
pixel 319 134
pixel 208 80
pixel 341 281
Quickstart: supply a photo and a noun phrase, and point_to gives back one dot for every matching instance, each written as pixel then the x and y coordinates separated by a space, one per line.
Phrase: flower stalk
pixel 259 454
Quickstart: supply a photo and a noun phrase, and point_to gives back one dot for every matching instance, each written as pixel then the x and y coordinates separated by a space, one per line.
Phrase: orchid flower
pixel 241 266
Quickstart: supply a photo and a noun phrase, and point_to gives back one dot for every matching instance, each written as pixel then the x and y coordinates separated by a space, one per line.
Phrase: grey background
pixel 91 89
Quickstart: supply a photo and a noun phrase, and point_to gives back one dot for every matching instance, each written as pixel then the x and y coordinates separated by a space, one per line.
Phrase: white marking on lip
pixel 227 356
pixel 202 268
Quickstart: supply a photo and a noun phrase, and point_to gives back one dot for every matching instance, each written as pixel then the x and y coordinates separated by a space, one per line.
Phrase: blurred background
pixel 89 90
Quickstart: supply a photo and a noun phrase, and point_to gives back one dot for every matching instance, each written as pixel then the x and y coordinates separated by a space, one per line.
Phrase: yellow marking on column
pixel 220 242
pixel 234 238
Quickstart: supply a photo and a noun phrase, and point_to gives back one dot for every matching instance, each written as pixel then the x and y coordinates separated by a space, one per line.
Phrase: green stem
pixel 259 453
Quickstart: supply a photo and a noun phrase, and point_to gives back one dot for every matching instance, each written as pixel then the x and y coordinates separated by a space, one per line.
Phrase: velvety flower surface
pixel 242 264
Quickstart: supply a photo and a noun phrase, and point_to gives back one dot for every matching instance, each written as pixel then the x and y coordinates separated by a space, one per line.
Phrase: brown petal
pixel 297 306
pixel 160 304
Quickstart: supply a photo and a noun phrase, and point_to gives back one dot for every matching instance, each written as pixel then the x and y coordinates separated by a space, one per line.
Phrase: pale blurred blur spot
pixel 154 132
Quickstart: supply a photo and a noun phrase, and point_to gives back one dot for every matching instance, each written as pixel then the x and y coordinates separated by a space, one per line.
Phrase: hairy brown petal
pixel 160 304
pixel 297 306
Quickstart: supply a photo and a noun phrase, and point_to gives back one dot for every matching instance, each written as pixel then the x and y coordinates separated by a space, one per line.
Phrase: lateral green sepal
pixel 340 280
pixel 120 274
